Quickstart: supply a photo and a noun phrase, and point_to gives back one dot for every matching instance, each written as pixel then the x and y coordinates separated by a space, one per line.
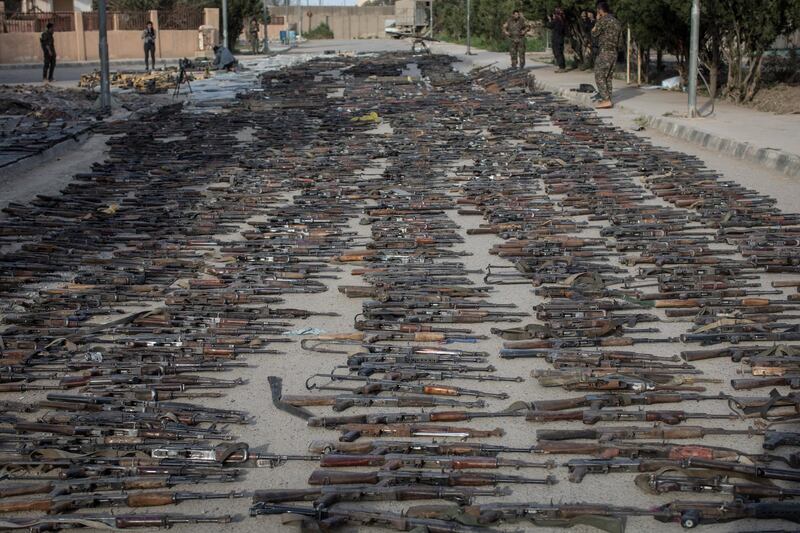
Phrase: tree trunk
pixel 733 88
pixel 714 66
pixel 644 57
pixel 753 80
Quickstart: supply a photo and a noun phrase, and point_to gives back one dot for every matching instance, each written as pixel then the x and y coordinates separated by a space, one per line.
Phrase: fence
pixel 176 19
pixel 77 37
pixel 135 20
pixel 185 18
pixel 36 22
pixel 131 21
pixel 91 21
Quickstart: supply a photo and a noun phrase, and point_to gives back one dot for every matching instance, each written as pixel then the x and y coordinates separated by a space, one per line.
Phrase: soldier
pixel 49 52
pixel 516 28
pixel 606 33
pixel 254 35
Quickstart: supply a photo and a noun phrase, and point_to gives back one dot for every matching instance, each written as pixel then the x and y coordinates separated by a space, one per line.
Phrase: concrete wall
pixel 345 21
pixel 787 41
pixel 83 45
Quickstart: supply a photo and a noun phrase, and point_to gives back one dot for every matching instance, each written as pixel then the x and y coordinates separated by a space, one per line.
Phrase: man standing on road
pixel 149 38
pixel 516 29
pixel 607 32
pixel 558 26
pixel 49 51
pixel 254 36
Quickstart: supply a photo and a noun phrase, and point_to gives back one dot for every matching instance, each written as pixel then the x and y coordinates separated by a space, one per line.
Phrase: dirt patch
pixel 782 99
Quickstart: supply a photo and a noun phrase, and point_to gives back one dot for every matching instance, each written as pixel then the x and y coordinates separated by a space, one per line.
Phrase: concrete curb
pixel 772 158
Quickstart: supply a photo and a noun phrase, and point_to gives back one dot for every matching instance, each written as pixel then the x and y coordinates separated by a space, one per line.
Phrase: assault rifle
pixel 326 495
pixel 69 502
pixel 667 481
pixel 380 447
pixel 691 514
pixel 393 461
pixel 129 521
pixel 448 479
pixel 616 415
pixel 578 468
pixel 331 518
pixel 656 432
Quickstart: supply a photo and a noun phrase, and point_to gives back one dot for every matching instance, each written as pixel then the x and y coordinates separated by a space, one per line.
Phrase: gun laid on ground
pixel 393 461
pixel 380 447
pixel 578 468
pixel 669 481
pixel 656 432
pixel 691 514
pixel 326 495
pixel 69 502
pixel 592 417
pixel 450 479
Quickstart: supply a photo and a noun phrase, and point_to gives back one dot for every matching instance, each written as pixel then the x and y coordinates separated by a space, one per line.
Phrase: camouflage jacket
pixel 517 28
pixel 607 33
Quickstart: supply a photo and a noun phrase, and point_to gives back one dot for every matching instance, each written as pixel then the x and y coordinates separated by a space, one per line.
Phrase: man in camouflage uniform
pixel 606 33
pixel 254 36
pixel 516 28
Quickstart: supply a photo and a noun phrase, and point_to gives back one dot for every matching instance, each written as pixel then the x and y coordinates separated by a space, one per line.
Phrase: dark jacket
pixel 48 42
pixel 558 27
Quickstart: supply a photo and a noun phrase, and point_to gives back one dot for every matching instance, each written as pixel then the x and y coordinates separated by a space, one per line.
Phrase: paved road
pixel 33 75
pixel 65 75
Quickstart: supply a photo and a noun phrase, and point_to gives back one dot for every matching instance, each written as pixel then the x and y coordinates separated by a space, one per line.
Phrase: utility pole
pixel 628 58
pixel 286 22
pixel 105 84
pixel 225 23
pixel 300 19
pixel 469 27
pixel 265 47
pixel 694 51
pixel 431 19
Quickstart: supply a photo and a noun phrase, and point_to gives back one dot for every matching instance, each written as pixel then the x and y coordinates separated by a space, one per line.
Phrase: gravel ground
pixel 286 434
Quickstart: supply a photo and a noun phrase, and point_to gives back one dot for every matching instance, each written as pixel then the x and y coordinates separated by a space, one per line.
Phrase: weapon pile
pixel 34 119
pixel 153 82
pixel 156 285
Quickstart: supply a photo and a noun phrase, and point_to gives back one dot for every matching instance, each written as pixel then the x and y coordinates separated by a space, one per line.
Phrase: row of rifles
pixel 134 302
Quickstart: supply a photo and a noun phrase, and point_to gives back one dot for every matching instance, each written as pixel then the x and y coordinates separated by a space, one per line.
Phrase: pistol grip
pixel 577 473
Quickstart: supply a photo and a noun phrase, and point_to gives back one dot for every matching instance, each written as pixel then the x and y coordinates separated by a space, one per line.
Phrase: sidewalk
pixel 763 138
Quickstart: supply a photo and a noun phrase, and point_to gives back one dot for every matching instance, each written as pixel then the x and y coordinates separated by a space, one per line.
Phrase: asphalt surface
pixel 65 75
pixel 62 74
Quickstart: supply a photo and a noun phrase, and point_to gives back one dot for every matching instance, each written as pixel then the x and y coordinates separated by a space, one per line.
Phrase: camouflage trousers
pixel 517 51
pixel 604 66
